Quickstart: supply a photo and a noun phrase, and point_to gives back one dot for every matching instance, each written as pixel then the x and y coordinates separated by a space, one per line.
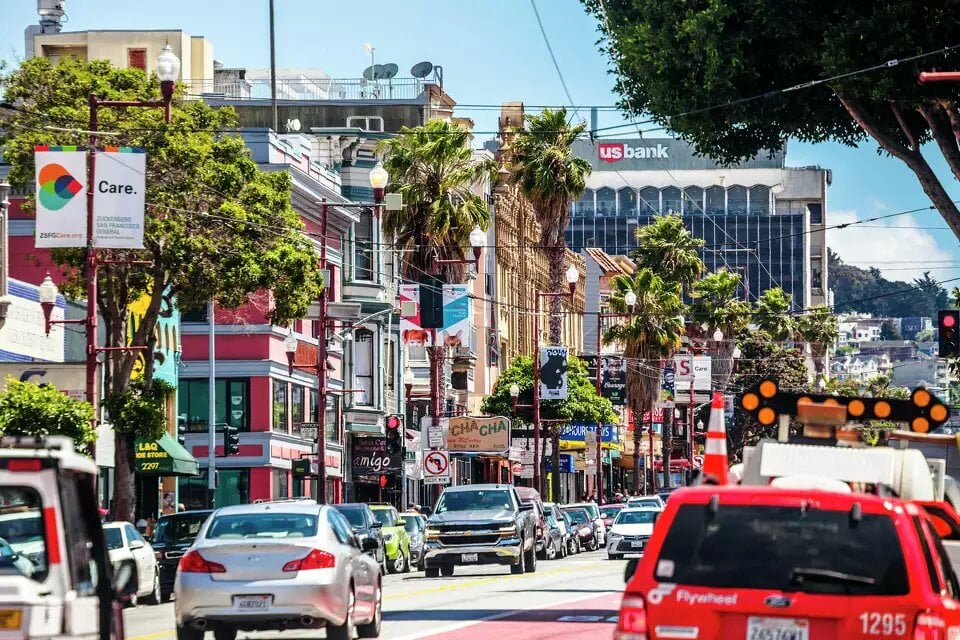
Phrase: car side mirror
pixel 136 544
pixel 124 586
pixel 631 569
pixel 369 545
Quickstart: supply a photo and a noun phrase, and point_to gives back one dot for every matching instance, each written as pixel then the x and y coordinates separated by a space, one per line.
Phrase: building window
pixel 606 202
pixel 584 206
pixel 737 200
pixel 233 487
pixel 137 59
pixel 363 366
pixel 692 201
pixel 760 200
pixel 298 407
pixel 367 123
pixel 816 213
pixel 363 250
pixel 280 411
pixel 649 200
pixel 715 201
pixel 628 203
pixel 671 200
pixel 281 483
pixel 388 372
pixel 232 403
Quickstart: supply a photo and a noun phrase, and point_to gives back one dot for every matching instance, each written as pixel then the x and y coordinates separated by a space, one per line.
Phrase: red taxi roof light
pixel 930 626
pixel 24 464
pixel 632 621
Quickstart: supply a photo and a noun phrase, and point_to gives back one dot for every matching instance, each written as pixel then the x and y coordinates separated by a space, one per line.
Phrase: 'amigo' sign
pixel 478 435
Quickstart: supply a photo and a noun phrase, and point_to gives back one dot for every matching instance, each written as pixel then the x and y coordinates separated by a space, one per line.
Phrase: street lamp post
pixel 168 70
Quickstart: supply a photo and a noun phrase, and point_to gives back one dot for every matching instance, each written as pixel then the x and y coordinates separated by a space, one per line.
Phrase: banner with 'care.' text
pixel 61 175
pixel 119 198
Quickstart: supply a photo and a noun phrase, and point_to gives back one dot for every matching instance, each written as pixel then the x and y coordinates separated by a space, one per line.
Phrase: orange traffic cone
pixel 715 459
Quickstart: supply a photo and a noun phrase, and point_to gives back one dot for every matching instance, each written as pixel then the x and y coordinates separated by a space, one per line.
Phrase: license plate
pixel 10 618
pixel 637 545
pixel 777 629
pixel 252 603
pixel 469 557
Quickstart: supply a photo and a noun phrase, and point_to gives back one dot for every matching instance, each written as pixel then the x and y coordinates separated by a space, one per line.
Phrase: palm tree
pixel 667 247
pixel 819 329
pixel 433 168
pixel 551 178
pixel 716 306
pixel 772 315
pixel 651 334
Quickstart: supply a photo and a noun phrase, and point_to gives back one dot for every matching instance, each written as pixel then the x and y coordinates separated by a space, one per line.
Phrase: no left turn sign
pixel 436 467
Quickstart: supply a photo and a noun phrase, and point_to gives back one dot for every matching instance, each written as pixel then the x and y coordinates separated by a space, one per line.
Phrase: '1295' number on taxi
pixel 883 624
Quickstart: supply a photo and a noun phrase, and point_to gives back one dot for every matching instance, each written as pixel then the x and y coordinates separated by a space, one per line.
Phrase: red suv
pixel 789 564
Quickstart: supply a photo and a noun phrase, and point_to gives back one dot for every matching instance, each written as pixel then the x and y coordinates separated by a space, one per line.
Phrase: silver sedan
pixel 278 565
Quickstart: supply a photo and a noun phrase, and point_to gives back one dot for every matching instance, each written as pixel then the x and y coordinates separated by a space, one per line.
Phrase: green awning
pixel 164 457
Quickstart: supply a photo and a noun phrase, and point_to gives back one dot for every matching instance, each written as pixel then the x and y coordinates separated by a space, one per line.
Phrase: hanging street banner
pixel 479 435
pixel 553 373
pixel 667 394
pixel 61 185
pixel 613 377
pixel 456 316
pixel 411 331
pixel 702 373
pixel 119 198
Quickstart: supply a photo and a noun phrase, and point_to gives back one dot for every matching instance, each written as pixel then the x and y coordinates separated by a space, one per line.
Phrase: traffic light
pixel 182 434
pixel 948 322
pixel 394 434
pixel 231 441
pixel 383 480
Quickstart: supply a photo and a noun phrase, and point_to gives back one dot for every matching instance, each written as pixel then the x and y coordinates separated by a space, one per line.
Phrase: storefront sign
pixel 658 154
pixel 575 432
pixel 370 457
pixel 69 378
pixel 566 463
pixel 61 186
pixel 479 435
pixel 164 456
pixel 21 336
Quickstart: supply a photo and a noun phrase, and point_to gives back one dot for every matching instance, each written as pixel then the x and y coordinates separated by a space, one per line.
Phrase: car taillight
pixel 929 626
pixel 632 622
pixel 193 562
pixel 316 559
pixel 18 465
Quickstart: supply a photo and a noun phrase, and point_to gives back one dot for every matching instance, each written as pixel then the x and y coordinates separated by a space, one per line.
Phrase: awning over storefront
pixel 164 457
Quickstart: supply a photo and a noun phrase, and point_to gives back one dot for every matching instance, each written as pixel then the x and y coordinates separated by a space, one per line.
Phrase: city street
pixel 573 598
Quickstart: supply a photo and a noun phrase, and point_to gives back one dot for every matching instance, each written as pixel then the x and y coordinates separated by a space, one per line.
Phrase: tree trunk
pixel 544 437
pixel 124 492
pixel 723 363
pixel 667 445
pixel 637 442
pixel 557 284
pixel 555 485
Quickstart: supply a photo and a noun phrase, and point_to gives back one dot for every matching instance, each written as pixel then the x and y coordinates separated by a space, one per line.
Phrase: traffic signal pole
pixel 212 407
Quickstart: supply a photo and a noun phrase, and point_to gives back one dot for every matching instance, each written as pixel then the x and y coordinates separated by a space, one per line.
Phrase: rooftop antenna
pixel 293 126
pixel 51 15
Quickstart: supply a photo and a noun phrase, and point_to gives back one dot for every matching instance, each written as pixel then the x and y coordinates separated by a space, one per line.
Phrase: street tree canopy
pixel 694 67
pixel 28 409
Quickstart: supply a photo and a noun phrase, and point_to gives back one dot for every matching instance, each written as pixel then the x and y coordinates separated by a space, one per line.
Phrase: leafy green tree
pixel 216 226
pixel 772 315
pixel 872 432
pixel 667 247
pixel 650 334
pixel 716 306
pixel 694 68
pixel 433 168
pixel 890 331
pixel 28 409
pixel 551 177
pixel 818 328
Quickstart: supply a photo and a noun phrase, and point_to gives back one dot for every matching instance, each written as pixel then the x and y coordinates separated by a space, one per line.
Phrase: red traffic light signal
pixel 383 481
pixel 394 422
pixel 948 326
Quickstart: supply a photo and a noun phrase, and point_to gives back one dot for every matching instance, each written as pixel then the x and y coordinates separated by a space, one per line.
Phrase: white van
pixel 55 578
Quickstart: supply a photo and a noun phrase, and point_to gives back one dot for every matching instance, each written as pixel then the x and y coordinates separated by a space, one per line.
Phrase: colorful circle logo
pixel 57 187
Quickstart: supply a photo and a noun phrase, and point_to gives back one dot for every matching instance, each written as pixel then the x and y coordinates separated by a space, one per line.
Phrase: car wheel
pixel 613 556
pixel 345 630
pixel 564 549
pixel 397 564
pixel 155 596
pixel 406 563
pixel 593 545
pixel 550 551
pixel 446 570
pixel 372 628
pixel 188 633
pixel 520 567
pixel 531 560
pixel 225 633
pixel 384 566
pixel 432 572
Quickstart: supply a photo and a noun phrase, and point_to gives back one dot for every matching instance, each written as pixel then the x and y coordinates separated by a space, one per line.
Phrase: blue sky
pixel 492 51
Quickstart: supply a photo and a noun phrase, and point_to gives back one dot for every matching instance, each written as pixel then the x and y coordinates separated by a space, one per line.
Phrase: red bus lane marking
pixel 582 619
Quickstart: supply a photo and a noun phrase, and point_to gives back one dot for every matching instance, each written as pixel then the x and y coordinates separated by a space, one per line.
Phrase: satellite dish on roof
pixel 421 69
pixel 368 73
pixel 388 71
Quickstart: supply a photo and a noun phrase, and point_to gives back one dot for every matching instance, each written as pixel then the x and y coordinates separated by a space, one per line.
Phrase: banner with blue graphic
pixel 456 316
pixel 576 432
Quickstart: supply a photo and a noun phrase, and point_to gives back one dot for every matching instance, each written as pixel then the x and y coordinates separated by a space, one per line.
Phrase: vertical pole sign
pixel 61 174
pixel 119 198
pixel 553 373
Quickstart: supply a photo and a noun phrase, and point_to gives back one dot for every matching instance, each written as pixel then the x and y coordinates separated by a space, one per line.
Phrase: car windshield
pixel 412 523
pixel 645 502
pixel 263 525
pixel 783 548
pixel 386 517
pixel 482 499
pixel 579 516
pixel 24 551
pixel 590 508
pixel 636 517
pixel 178 529
pixel 609 512
pixel 353 515
pixel 114 539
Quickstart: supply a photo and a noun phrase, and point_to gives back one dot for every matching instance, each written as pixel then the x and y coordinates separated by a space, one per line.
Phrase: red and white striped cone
pixel 715 461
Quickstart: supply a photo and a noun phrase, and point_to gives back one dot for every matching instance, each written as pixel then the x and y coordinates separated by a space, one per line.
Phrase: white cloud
pixel 900 252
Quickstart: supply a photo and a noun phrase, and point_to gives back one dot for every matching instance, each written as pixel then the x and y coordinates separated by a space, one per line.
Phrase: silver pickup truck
pixel 480 524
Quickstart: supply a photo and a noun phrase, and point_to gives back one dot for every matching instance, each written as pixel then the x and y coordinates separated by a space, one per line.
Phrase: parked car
pixel 414 523
pixel 608 513
pixel 556 546
pixel 594 512
pixel 654 501
pixel 531 496
pixel 573 540
pixel 171 538
pixel 555 518
pixel 395 539
pixel 125 545
pixel 631 531
pixel 365 525
pixel 281 565
pixel 588 533
pixel 479 524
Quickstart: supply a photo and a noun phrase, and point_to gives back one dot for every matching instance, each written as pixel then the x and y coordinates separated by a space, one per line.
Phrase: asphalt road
pixel 574 598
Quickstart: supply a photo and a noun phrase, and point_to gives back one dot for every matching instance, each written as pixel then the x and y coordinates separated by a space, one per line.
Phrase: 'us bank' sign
pixel 616 151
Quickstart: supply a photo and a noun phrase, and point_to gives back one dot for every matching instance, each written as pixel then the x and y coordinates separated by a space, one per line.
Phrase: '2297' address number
pixel 149 466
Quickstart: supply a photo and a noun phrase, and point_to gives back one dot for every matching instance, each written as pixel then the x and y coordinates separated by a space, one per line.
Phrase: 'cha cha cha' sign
pixel 479 435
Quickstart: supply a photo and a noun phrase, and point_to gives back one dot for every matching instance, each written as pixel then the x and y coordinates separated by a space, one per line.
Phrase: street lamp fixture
pixel 290 346
pixel 477 238
pixel 736 353
pixel 630 299
pixel 821 384
pixel 48 297
pixel 168 70
pixel 699 425
pixel 717 335
pixel 514 395
pixel 378 180
pixel 408 380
